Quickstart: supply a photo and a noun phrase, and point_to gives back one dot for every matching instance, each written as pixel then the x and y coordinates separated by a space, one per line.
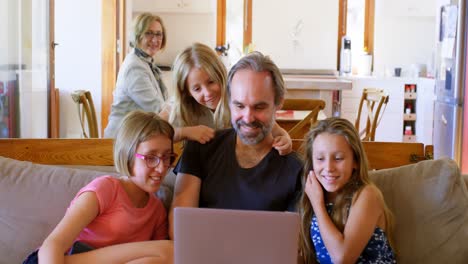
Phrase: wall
pixel 183 29
pixel 186 22
pixel 78 58
pixel 297 33
pixel 404 34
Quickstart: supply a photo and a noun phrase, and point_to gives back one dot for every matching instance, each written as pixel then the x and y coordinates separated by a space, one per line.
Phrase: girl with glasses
pixel 139 84
pixel 120 220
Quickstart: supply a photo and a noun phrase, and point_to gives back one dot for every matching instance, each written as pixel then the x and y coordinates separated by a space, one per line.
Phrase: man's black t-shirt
pixel 273 184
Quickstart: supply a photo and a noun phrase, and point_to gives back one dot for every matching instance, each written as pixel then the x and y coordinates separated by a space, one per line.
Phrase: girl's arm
pixel 282 141
pixel 186 194
pixel 199 133
pixel 364 217
pixel 84 209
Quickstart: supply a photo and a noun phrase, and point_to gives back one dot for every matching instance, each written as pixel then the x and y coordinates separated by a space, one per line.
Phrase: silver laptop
pixel 222 236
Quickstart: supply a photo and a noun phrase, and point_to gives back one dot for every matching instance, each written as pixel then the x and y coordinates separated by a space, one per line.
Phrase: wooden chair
pixel 374 100
pixel 299 130
pixel 86 112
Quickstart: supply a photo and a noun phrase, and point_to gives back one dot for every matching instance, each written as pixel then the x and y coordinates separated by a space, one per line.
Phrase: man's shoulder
pixel 293 160
pixel 295 157
pixel 224 133
pixel 221 139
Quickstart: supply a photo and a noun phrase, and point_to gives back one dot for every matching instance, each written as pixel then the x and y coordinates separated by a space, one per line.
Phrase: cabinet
pixel 174 6
pixel 409 112
pixel 394 119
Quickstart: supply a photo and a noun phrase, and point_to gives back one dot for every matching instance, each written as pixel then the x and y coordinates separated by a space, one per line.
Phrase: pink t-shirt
pixel 118 220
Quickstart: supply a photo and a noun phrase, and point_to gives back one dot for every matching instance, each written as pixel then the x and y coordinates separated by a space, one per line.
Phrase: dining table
pixel 313 84
pixel 287 119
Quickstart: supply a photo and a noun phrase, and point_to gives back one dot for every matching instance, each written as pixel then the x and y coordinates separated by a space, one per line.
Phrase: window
pixel 357 21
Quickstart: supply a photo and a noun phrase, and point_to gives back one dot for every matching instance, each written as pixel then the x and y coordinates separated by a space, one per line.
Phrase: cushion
pixel 33 199
pixel 429 200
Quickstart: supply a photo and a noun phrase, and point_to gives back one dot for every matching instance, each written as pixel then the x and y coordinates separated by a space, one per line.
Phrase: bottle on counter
pixel 345 56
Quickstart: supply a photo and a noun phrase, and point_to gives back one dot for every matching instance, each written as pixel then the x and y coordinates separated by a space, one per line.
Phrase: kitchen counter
pixel 325 87
pixel 315 82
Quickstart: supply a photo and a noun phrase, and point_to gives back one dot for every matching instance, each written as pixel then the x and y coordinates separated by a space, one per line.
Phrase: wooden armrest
pixel 97 152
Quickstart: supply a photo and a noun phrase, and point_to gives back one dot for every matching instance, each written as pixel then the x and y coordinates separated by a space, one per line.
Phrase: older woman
pixel 139 84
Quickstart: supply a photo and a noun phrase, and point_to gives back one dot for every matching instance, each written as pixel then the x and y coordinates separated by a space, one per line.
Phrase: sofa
pixel 429 200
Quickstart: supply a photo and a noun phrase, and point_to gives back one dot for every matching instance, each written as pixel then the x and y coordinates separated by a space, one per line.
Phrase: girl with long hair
pixel 344 218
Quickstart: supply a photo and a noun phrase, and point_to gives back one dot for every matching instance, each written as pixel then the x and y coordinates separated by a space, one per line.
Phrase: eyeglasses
pixel 151 35
pixel 153 161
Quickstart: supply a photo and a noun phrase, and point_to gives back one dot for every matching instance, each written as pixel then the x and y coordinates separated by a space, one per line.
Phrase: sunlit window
pixel 360 29
pixel 355 30
pixel 355 24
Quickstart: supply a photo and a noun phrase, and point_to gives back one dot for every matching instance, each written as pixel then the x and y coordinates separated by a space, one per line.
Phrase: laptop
pixel 221 236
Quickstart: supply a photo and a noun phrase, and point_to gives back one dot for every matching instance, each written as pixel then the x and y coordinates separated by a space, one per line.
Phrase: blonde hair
pixel 185 106
pixel 359 179
pixel 141 23
pixel 137 126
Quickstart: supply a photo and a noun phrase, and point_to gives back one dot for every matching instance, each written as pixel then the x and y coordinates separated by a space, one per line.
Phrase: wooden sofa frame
pixel 98 152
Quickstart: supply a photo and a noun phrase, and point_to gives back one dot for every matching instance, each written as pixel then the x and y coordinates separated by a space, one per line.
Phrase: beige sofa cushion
pixel 33 199
pixel 430 203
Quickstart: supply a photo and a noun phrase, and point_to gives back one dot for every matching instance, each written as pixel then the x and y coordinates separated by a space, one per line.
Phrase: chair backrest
pixel 374 99
pixel 314 105
pixel 86 110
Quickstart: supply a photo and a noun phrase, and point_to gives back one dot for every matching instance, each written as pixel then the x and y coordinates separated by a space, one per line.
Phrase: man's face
pixel 252 105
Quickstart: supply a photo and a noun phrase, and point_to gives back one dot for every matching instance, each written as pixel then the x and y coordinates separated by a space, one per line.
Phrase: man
pixel 239 168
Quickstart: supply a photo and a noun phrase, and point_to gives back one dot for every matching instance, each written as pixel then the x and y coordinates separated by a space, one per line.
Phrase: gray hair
pixel 258 62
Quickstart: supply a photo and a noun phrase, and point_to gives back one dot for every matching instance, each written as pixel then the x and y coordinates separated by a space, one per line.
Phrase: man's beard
pixel 256 137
